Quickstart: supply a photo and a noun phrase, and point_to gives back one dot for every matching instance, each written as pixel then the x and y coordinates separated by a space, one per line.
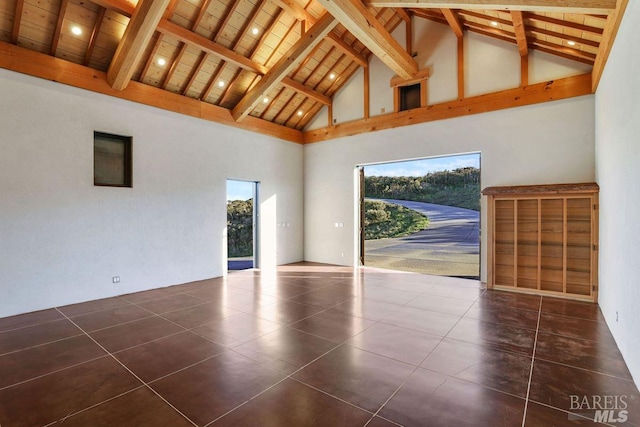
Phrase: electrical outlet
pixel 115 279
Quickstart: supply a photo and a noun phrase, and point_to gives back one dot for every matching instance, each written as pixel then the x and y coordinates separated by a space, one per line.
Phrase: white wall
pixel 540 144
pixel 491 65
pixel 62 239
pixel 617 172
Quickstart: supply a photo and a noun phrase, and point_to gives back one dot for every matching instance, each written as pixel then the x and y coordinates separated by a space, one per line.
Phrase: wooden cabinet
pixel 544 239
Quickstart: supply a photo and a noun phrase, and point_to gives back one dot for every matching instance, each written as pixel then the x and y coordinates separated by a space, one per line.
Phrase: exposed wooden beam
pixel 286 63
pixel 151 57
pixel 529 95
pixel 306 91
pixel 409 36
pixel 366 28
pixel 402 14
pixel 183 48
pixel 558 6
pixel 521 34
pixel 560 22
pixel 272 102
pixel 26 61
pixel 608 37
pixel 94 35
pixel 301 14
pixel 348 49
pixel 174 65
pixel 454 22
pixel 121 6
pixel 524 70
pixel 58 30
pixel 417 78
pixel 141 27
pixel 189 37
pixel 576 53
pixel 367 86
pixel 578 40
pixel 17 19
pixel 295 10
pixel 460 67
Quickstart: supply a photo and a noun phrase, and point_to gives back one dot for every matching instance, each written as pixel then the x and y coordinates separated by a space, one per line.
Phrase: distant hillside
pixel 240 228
pixel 459 187
pixel 383 220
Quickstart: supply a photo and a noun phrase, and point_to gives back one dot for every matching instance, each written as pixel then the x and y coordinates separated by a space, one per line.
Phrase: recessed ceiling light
pixel 162 61
pixel 76 30
pixel 299 112
pixel 265 100
pixel 571 43
pixel 255 31
pixel 221 83
pixel 332 76
pixel 494 23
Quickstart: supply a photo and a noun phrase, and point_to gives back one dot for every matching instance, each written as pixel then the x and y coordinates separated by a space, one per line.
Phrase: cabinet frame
pixel 573 229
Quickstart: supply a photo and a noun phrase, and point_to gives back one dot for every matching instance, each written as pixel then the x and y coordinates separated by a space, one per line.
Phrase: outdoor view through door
pixel 422 215
pixel 241 224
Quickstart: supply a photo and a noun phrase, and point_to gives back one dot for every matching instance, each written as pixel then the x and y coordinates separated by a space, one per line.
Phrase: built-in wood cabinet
pixel 544 239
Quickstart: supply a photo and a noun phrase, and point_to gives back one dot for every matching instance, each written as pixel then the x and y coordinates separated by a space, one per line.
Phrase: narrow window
pixel 111 160
pixel 409 97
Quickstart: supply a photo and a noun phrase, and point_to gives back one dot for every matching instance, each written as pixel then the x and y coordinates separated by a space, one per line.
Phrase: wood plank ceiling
pixel 277 60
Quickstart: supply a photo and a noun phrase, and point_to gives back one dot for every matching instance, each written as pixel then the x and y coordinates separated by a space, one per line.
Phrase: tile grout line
pixel 129 370
pixel 425 358
pixel 533 358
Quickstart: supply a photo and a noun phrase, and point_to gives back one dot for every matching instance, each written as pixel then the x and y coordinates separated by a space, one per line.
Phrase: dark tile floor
pixel 312 345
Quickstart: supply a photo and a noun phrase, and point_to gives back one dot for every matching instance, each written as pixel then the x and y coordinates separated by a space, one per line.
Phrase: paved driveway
pixel 449 247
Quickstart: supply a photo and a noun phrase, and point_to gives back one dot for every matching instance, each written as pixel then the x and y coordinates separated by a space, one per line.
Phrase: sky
pixel 243 190
pixel 239 190
pixel 423 166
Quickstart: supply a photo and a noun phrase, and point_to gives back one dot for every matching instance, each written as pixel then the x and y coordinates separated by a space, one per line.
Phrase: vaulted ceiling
pixel 271 63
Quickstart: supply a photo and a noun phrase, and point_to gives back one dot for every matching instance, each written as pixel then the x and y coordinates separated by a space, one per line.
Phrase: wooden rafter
pixel 558 6
pixel 17 20
pixel 174 65
pixel 142 25
pixel 560 22
pixel 301 14
pixel 94 35
pixel 529 95
pixel 272 102
pixel 366 28
pixel 220 67
pixel 56 34
pixel 562 36
pixel 306 91
pixel 460 57
pixel 151 57
pixel 215 76
pixel 454 21
pixel 288 61
pixel 286 106
pixel 227 90
pixel 47 67
pixel 348 49
pixel 209 46
pixel 520 30
pixel 184 46
pixel 609 36
pixel 575 53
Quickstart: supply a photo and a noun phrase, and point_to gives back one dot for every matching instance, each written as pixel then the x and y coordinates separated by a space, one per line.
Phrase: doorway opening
pixel 242 224
pixel 422 215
